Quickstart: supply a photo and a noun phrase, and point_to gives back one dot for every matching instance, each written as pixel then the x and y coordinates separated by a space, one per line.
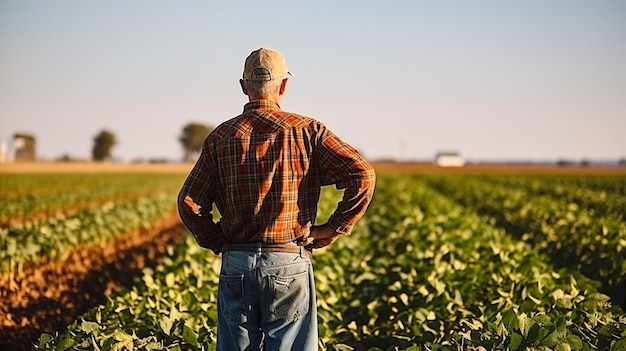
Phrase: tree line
pixel 191 140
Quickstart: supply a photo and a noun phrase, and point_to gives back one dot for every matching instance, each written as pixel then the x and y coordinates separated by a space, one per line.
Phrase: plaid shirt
pixel 263 170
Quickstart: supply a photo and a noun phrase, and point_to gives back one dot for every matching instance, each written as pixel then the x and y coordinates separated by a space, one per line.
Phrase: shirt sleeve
pixel 195 202
pixel 342 165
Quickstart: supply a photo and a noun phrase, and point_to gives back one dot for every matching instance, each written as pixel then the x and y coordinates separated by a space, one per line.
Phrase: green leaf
pixel 620 345
pixel 575 341
pixel 65 344
pixel 322 330
pixel 153 346
pixel 44 339
pixel 123 339
pixel 108 343
pixel 429 336
pixel 510 321
pixel 563 347
pixel 543 319
pixel 516 341
pixel 190 299
pixel 533 333
pixel 166 325
pixel 90 327
pixel 604 330
pixel 189 336
pixel 553 338
pixel 170 280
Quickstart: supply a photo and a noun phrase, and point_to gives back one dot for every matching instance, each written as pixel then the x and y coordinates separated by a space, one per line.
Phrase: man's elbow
pixel 368 180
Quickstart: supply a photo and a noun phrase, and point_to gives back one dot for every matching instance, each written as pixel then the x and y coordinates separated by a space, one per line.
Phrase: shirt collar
pixel 260 104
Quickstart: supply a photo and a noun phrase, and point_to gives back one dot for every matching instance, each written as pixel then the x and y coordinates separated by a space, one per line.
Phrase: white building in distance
pixel 449 159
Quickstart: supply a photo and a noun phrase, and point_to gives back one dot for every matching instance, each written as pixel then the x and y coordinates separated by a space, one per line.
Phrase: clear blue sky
pixel 521 80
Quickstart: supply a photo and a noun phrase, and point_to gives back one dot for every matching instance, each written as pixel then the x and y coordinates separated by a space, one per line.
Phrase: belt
pixel 268 247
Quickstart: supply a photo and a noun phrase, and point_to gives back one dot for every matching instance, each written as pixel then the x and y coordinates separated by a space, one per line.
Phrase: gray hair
pixel 262 88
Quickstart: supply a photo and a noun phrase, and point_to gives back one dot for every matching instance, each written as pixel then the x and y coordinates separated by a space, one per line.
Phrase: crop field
pixel 466 259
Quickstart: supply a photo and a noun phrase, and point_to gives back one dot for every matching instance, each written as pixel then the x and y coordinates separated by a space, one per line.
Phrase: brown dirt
pixel 46 298
pixel 99 167
pixel 409 167
pixel 393 167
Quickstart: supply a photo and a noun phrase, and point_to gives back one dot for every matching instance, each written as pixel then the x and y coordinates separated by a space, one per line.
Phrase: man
pixel 263 170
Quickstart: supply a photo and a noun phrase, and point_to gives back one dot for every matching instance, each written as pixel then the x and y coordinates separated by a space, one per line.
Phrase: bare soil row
pixel 380 166
pixel 47 297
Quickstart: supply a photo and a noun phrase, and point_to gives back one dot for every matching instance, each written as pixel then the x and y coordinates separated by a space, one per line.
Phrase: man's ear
pixel 283 86
pixel 243 86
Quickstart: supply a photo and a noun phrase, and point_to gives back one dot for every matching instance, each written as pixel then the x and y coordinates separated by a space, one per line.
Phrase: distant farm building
pixel 449 159
pixel 24 145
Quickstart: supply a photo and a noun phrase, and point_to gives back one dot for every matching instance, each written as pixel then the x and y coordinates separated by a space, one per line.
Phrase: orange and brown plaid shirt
pixel 263 170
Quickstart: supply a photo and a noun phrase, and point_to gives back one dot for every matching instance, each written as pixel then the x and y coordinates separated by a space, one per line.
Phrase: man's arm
pixel 195 202
pixel 343 166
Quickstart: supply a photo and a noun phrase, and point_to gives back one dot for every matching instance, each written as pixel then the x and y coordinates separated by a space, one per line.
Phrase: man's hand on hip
pixel 321 236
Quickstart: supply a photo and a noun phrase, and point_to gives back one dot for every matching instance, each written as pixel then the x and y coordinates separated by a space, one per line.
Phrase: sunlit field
pixel 481 257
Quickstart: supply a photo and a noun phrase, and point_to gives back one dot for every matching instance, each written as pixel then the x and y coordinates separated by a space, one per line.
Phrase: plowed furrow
pixel 48 297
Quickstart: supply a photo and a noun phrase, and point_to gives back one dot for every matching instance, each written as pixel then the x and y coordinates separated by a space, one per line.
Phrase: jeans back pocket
pixel 230 296
pixel 290 296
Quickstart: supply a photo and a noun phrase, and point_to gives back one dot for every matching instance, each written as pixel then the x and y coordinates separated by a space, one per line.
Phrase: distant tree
pixel 24 147
pixel 192 137
pixel 102 145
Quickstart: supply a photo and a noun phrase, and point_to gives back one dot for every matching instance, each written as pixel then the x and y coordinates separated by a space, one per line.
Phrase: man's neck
pixel 277 98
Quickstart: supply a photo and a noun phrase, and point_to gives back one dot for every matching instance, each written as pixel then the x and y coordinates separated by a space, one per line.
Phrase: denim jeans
pixel 266 301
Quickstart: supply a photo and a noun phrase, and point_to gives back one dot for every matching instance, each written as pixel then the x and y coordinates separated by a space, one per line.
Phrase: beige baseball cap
pixel 265 64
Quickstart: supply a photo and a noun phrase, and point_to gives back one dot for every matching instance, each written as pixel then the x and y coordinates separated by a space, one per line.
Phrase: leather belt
pixel 268 247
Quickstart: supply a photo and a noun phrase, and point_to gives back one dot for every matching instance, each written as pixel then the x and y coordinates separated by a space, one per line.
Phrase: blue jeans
pixel 266 301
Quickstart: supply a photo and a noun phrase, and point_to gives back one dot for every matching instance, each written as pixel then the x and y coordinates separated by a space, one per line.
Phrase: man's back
pixel 264 170
pixel 268 186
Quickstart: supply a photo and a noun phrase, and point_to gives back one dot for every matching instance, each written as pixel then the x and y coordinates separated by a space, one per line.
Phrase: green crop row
pixel 25 196
pixel 600 195
pixel 419 272
pixel 430 271
pixel 567 224
pixel 172 307
pixel 28 243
